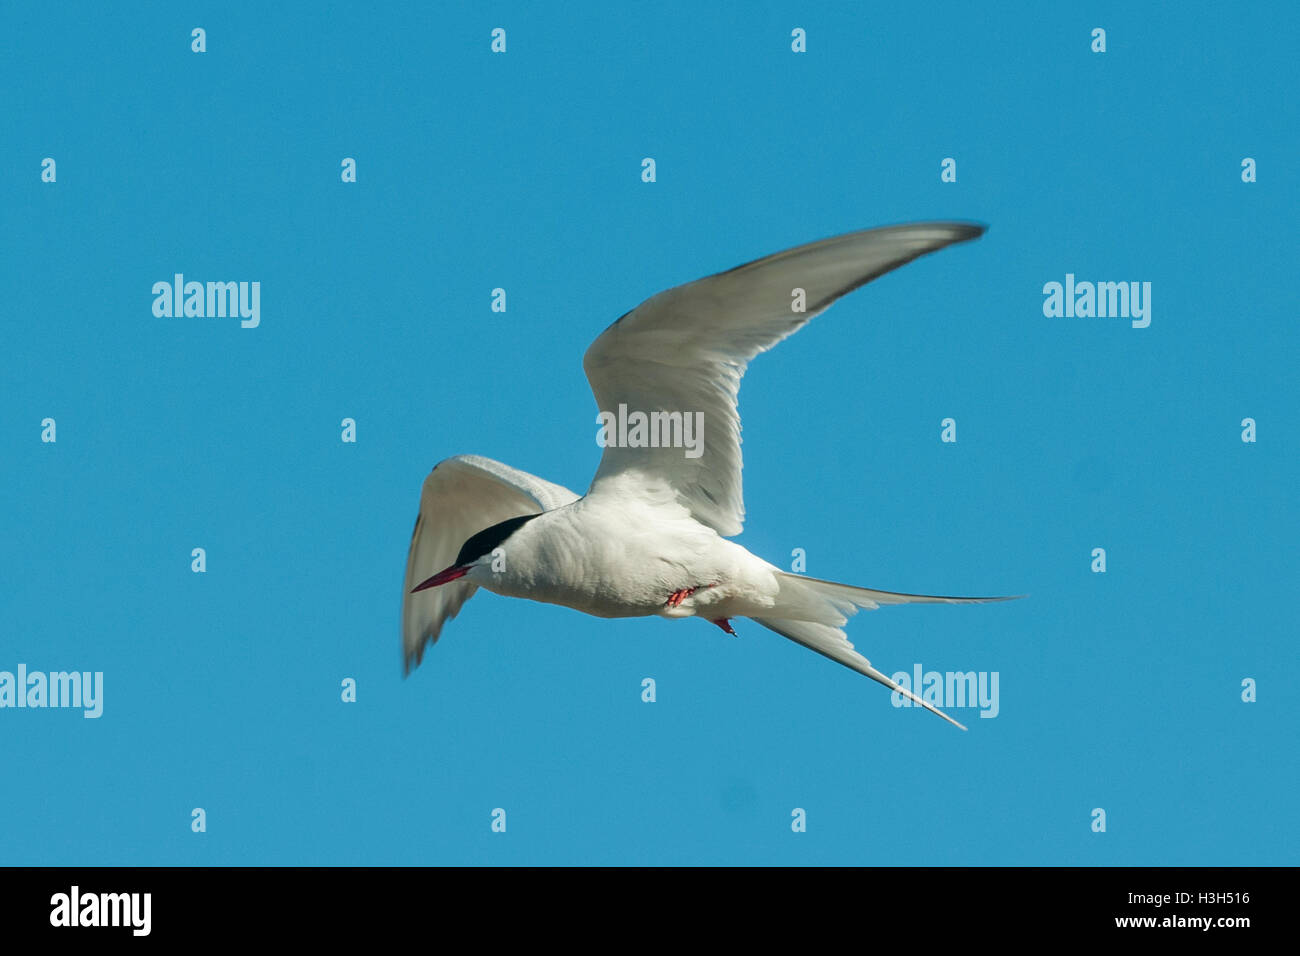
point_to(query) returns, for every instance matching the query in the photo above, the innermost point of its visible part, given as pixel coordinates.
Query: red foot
(677, 597)
(725, 624)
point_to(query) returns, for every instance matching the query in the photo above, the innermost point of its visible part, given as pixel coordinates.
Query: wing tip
(957, 230)
(411, 659)
(960, 230)
(972, 230)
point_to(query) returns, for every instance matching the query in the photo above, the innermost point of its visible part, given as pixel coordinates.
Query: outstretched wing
(462, 496)
(685, 350)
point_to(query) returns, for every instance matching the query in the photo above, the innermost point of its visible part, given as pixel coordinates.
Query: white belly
(628, 562)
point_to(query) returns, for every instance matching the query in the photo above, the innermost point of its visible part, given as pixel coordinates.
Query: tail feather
(810, 611)
(870, 599)
(831, 642)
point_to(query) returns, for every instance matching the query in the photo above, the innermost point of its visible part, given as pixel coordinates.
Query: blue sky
(522, 170)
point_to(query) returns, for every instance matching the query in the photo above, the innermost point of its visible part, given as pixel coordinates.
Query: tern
(650, 536)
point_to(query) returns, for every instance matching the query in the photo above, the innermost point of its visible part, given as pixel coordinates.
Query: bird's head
(476, 552)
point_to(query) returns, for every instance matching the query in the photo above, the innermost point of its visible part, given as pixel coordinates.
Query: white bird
(650, 535)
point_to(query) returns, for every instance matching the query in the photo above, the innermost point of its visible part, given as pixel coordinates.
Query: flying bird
(650, 536)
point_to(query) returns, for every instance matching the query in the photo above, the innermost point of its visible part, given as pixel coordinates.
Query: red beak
(442, 577)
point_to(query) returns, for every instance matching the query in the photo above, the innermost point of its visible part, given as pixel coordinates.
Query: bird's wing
(685, 350)
(462, 496)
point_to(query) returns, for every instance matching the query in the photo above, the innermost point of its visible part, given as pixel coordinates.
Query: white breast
(614, 558)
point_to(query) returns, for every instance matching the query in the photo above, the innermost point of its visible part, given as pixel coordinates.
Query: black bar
(911, 905)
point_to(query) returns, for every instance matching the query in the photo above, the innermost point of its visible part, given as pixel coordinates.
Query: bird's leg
(725, 624)
(677, 597)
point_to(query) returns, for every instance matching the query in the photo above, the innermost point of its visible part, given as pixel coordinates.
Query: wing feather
(462, 496)
(686, 349)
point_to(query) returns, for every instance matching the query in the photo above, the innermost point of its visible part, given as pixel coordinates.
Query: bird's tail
(811, 612)
(829, 600)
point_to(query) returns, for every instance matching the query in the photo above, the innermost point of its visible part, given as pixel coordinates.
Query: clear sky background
(522, 170)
